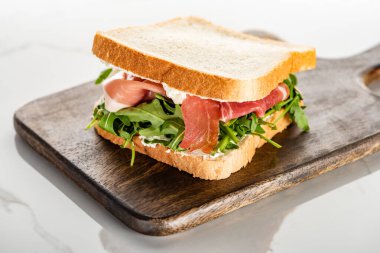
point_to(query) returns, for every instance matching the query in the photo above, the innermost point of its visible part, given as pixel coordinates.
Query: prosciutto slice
(129, 91)
(232, 110)
(201, 117)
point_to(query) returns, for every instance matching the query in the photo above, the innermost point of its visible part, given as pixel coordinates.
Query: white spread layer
(283, 91)
(182, 153)
(176, 95)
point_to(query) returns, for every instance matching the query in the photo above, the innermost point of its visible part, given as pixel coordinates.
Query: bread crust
(197, 82)
(211, 169)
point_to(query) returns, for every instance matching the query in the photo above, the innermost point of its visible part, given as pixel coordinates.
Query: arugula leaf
(151, 112)
(222, 144)
(251, 124)
(133, 153)
(256, 124)
(287, 108)
(164, 142)
(232, 145)
(231, 133)
(271, 125)
(103, 75)
(177, 139)
(275, 144)
(150, 131)
(128, 140)
(172, 126)
(169, 106)
(293, 79)
(124, 134)
(295, 110)
(107, 122)
(298, 115)
(93, 122)
(147, 119)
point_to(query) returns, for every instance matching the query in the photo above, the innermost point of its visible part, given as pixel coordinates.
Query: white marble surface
(45, 47)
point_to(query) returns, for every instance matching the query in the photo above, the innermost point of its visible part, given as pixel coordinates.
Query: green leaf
(172, 126)
(254, 123)
(299, 116)
(177, 139)
(222, 144)
(290, 84)
(244, 123)
(175, 109)
(132, 146)
(260, 130)
(124, 134)
(231, 122)
(178, 112)
(107, 122)
(93, 122)
(161, 123)
(231, 133)
(271, 125)
(103, 75)
(149, 112)
(133, 153)
(240, 131)
(168, 105)
(157, 141)
(287, 108)
(270, 112)
(150, 131)
(125, 120)
(275, 144)
(232, 145)
(293, 79)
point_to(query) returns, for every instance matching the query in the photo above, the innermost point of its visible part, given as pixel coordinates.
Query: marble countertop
(45, 46)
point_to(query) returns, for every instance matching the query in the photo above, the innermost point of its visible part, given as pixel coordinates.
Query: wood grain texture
(156, 199)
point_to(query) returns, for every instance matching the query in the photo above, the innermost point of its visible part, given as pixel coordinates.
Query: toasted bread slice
(202, 167)
(195, 56)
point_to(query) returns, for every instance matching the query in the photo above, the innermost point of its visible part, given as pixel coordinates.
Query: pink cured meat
(232, 110)
(131, 91)
(201, 117)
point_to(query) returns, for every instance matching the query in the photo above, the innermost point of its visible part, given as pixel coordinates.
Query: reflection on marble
(256, 236)
(252, 227)
(13, 211)
(258, 222)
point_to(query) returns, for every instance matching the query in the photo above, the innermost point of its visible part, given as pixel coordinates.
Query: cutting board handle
(368, 59)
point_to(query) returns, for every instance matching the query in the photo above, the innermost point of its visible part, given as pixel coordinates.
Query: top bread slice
(195, 56)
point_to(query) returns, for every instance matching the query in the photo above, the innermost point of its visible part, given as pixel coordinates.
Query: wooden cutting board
(156, 199)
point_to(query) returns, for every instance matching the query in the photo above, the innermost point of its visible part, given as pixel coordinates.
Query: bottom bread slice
(201, 166)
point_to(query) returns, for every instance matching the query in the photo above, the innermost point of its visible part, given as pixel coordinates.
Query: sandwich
(197, 96)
